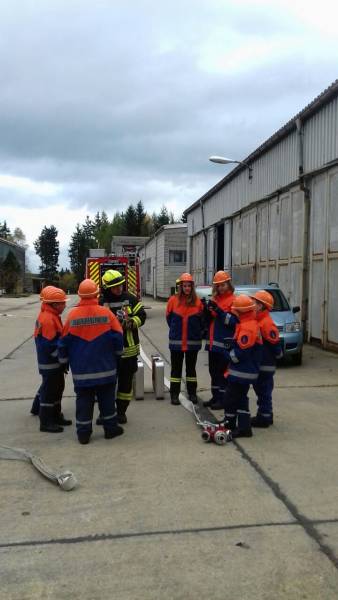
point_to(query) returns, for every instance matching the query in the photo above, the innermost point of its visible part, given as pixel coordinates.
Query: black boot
(51, 427)
(174, 399)
(260, 421)
(84, 438)
(238, 433)
(121, 408)
(62, 421)
(111, 433)
(122, 418)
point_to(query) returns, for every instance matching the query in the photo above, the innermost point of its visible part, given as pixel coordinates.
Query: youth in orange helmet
(264, 298)
(242, 304)
(51, 295)
(185, 319)
(88, 289)
(221, 277)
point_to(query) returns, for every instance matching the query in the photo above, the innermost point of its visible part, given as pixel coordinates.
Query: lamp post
(226, 161)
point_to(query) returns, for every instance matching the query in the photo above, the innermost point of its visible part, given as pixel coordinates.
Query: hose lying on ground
(66, 480)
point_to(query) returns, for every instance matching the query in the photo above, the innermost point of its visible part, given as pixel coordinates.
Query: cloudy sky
(105, 103)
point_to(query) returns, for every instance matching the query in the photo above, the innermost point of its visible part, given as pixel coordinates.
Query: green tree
(19, 238)
(130, 220)
(78, 252)
(10, 270)
(68, 282)
(140, 218)
(47, 248)
(5, 232)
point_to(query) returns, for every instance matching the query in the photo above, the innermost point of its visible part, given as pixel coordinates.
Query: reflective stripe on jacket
(185, 324)
(134, 312)
(245, 355)
(48, 328)
(91, 340)
(272, 348)
(222, 325)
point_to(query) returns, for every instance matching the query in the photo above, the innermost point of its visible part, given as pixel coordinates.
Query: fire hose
(66, 479)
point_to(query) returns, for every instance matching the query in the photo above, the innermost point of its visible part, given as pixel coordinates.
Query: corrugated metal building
(163, 258)
(281, 224)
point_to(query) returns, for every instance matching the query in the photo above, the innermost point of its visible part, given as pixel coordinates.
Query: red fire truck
(128, 265)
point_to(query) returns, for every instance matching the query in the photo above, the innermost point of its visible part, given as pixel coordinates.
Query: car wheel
(297, 359)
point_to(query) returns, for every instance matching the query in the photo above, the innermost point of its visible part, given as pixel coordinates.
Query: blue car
(290, 328)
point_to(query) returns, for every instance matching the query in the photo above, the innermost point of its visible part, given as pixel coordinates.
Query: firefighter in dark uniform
(131, 315)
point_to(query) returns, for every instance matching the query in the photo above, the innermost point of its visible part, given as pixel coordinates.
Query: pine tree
(130, 220)
(78, 252)
(140, 218)
(5, 232)
(47, 248)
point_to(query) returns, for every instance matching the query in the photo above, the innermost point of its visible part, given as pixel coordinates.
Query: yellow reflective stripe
(175, 379)
(137, 308)
(94, 271)
(191, 378)
(137, 321)
(130, 338)
(124, 396)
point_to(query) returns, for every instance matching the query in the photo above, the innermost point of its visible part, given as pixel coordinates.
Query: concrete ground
(158, 513)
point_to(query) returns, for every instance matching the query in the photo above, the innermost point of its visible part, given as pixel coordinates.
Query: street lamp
(226, 161)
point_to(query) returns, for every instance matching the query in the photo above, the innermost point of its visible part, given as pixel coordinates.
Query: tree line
(98, 232)
(95, 232)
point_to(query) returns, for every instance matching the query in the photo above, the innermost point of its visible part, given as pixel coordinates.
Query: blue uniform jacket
(272, 348)
(246, 353)
(185, 325)
(91, 340)
(48, 329)
(222, 324)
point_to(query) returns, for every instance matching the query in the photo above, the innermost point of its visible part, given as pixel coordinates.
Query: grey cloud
(109, 101)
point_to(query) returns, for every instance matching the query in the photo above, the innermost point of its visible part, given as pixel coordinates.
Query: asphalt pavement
(158, 513)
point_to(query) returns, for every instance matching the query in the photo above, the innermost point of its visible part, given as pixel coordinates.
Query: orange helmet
(265, 298)
(51, 294)
(88, 289)
(242, 304)
(221, 277)
(44, 291)
(186, 277)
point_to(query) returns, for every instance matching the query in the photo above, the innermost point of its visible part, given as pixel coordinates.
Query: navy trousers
(236, 405)
(263, 388)
(85, 400)
(176, 371)
(50, 393)
(217, 365)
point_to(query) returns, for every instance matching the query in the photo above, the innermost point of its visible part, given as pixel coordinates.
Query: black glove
(212, 305)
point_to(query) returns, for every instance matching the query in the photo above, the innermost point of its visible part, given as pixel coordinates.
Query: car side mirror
(296, 309)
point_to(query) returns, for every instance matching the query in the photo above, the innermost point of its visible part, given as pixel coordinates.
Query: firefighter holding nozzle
(131, 314)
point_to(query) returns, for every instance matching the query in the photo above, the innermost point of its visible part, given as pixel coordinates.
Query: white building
(281, 224)
(163, 258)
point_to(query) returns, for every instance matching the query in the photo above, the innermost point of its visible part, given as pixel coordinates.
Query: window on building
(148, 262)
(177, 257)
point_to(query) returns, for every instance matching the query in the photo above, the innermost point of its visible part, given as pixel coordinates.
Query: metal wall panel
(197, 258)
(320, 137)
(268, 243)
(323, 292)
(211, 233)
(227, 246)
